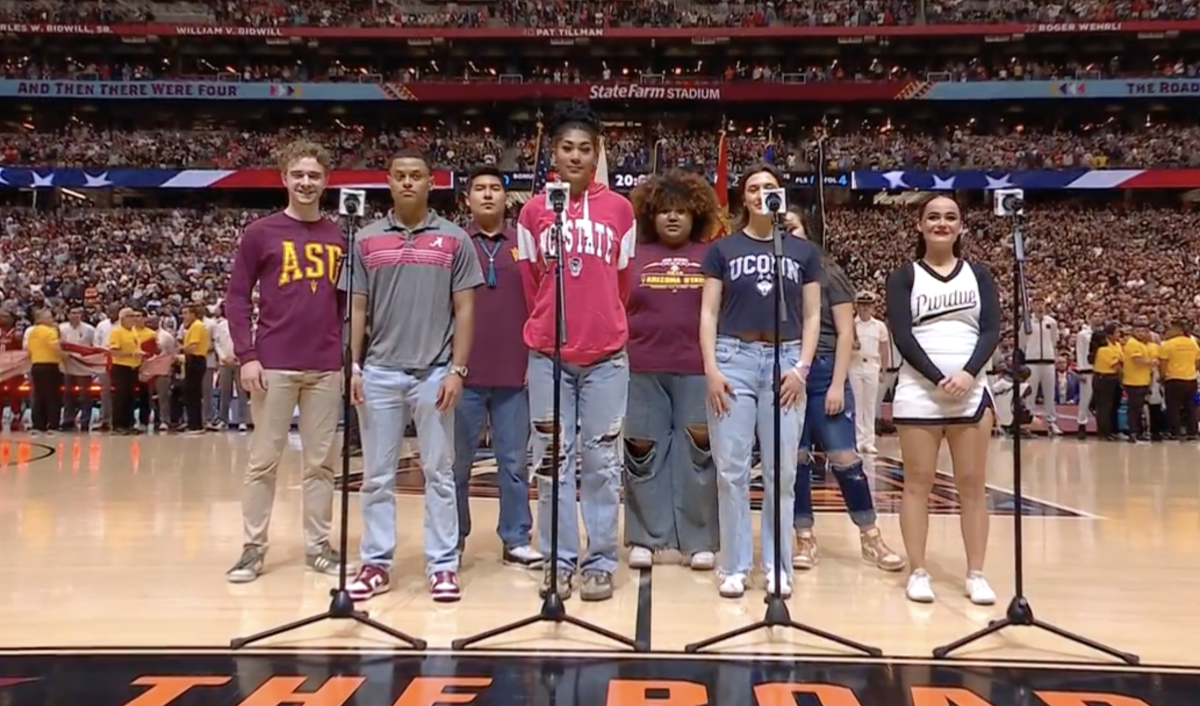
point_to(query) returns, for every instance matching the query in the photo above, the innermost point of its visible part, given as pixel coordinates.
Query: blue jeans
(670, 491)
(507, 411)
(593, 414)
(391, 398)
(749, 369)
(834, 433)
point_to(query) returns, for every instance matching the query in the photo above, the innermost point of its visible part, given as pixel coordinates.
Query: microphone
(556, 193)
(1009, 202)
(775, 204)
(775, 201)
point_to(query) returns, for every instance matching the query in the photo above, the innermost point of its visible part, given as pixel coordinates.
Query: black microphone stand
(341, 606)
(1020, 612)
(777, 614)
(553, 610)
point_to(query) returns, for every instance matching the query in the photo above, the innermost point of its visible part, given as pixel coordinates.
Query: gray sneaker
(564, 583)
(597, 586)
(327, 562)
(248, 568)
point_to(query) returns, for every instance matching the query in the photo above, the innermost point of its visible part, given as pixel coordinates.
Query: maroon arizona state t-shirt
(664, 309)
(295, 265)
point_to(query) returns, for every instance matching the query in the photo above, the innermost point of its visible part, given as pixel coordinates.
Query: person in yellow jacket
(1139, 358)
(125, 346)
(1179, 355)
(45, 374)
(196, 344)
(1106, 382)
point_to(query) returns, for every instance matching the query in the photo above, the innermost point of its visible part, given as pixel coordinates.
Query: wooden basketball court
(123, 543)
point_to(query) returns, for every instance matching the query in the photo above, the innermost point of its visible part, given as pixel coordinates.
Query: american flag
(156, 366)
(541, 168)
(13, 364)
(722, 187)
(96, 359)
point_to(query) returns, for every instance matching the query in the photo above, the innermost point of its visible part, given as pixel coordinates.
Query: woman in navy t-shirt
(737, 331)
(670, 491)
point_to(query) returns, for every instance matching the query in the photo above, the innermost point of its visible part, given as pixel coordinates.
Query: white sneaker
(524, 556)
(978, 590)
(733, 586)
(703, 561)
(785, 587)
(1055, 430)
(640, 558)
(920, 587)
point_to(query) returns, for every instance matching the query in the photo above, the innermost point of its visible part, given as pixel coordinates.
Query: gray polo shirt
(409, 277)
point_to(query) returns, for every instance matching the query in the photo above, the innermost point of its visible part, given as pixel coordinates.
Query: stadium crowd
(594, 13)
(83, 146)
(632, 150)
(535, 69)
(1124, 262)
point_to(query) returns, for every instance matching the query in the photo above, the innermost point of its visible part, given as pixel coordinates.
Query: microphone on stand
(775, 203)
(556, 193)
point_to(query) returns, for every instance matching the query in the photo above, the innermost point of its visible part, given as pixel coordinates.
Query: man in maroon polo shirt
(495, 387)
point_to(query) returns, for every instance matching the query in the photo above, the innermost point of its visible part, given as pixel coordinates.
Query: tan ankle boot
(876, 551)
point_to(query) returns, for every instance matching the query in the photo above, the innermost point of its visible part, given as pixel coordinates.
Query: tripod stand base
(553, 611)
(1020, 614)
(778, 616)
(341, 607)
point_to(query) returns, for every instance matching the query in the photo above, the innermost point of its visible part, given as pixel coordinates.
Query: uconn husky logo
(762, 268)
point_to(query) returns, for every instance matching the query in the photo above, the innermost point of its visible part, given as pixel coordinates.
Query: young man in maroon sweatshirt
(294, 356)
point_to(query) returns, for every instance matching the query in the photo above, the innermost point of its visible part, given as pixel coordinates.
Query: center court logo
(487, 686)
(638, 92)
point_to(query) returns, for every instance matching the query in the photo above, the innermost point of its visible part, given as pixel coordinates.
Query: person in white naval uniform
(870, 357)
(1084, 355)
(1039, 350)
(944, 314)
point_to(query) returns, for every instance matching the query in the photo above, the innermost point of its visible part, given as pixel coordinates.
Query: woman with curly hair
(670, 489)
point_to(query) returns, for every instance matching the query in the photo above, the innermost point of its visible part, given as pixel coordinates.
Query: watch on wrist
(459, 370)
(356, 369)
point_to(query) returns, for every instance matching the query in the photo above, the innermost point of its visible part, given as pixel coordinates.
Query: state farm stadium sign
(650, 93)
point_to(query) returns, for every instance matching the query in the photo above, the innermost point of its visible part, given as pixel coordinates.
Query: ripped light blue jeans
(593, 414)
(749, 369)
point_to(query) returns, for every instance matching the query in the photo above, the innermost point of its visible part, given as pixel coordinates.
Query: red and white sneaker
(370, 581)
(444, 587)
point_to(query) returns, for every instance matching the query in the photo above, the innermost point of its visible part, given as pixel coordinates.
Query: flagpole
(822, 135)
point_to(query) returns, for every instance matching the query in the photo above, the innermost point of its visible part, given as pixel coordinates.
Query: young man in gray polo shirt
(414, 277)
